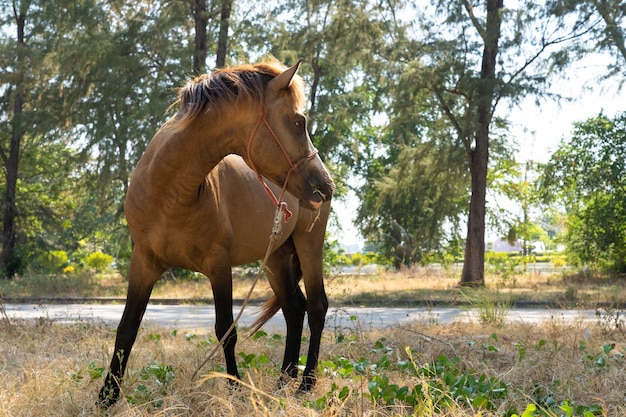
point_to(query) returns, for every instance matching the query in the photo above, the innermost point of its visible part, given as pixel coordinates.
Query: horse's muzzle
(321, 190)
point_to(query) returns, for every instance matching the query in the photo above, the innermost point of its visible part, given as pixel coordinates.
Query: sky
(539, 128)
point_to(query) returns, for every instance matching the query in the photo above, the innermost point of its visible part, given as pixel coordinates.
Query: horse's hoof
(107, 397)
(283, 380)
(307, 384)
(234, 385)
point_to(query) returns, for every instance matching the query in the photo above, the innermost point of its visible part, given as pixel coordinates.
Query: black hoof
(284, 380)
(307, 384)
(233, 384)
(108, 396)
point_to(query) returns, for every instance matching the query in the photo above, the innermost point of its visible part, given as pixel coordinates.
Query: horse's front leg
(222, 284)
(140, 283)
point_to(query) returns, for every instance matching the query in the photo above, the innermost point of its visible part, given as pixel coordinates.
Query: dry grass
(432, 285)
(48, 369)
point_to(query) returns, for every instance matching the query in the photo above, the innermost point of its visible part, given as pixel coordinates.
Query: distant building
(503, 245)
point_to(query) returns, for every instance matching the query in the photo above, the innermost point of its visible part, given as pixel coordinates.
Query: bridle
(293, 165)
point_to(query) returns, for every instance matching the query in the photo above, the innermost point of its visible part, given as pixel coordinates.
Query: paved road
(190, 317)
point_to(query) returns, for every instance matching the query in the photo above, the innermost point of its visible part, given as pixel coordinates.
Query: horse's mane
(228, 86)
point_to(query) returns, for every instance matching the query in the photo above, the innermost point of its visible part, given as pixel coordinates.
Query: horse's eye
(301, 124)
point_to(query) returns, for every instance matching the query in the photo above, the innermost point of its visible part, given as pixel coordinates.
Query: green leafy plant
(99, 261)
(252, 361)
(155, 379)
(53, 260)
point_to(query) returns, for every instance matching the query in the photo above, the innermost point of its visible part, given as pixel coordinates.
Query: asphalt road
(194, 317)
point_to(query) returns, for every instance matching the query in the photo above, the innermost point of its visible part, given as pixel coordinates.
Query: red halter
(278, 202)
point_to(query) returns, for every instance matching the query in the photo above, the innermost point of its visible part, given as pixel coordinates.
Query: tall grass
(491, 307)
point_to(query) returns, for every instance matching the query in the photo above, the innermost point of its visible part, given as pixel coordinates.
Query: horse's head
(280, 147)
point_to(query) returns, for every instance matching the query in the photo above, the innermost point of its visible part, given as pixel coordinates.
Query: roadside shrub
(99, 261)
(53, 260)
(502, 263)
(559, 261)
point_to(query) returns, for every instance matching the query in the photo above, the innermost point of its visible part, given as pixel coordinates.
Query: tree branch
(611, 27)
(475, 22)
(544, 45)
(455, 123)
(448, 112)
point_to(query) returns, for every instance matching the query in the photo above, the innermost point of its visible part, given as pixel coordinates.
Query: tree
(478, 151)
(131, 59)
(586, 177)
(10, 155)
(222, 42)
(94, 76)
(605, 22)
(35, 113)
(200, 18)
(518, 54)
(344, 46)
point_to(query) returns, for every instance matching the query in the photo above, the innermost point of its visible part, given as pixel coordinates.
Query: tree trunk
(474, 263)
(10, 263)
(198, 9)
(222, 42)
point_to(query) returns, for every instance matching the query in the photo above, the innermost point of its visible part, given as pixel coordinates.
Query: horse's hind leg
(140, 283)
(283, 275)
(309, 245)
(317, 306)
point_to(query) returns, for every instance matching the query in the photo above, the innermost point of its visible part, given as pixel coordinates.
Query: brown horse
(192, 204)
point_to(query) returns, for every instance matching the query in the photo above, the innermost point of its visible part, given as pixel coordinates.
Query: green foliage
(53, 261)
(93, 371)
(396, 107)
(251, 360)
(503, 263)
(155, 381)
(586, 175)
(99, 261)
(442, 384)
(566, 407)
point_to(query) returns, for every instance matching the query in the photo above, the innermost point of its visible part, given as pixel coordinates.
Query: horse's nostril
(321, 194)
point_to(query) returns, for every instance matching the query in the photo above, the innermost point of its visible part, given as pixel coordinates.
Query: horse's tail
(268, 310)
(291, 271)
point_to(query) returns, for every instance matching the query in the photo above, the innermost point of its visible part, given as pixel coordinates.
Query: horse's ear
(282, 80)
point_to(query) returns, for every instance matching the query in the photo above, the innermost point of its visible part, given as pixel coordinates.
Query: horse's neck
(182, 159)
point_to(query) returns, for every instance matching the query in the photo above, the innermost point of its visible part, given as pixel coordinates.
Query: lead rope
(276, 232)
(281, 209)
